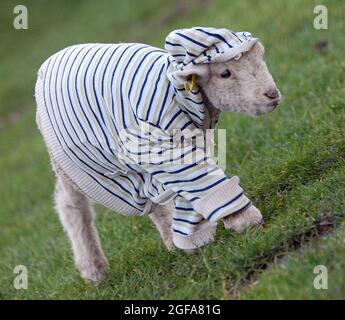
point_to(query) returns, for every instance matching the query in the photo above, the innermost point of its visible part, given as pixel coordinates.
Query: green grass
(291, 162)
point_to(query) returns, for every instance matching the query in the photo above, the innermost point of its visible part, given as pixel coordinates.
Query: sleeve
(181, 162)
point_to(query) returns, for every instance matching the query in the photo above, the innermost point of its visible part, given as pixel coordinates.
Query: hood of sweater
(190, 47)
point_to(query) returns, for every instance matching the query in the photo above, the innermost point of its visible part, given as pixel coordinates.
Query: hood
(189, 47)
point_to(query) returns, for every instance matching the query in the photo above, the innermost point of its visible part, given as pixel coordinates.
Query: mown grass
(291, 162)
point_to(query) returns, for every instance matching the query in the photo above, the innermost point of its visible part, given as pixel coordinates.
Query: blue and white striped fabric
(207, 45)
(111, 111)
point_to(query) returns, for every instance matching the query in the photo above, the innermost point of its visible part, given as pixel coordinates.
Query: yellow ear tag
(187, 87)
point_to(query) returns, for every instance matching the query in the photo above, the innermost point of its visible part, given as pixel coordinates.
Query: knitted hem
(196, 240)
(214, 205)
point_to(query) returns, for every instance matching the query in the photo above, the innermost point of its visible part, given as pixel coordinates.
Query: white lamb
(114, 116)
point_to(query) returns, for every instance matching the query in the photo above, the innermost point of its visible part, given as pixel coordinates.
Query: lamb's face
(243, 85)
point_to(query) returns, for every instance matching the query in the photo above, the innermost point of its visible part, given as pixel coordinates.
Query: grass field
(291, 162)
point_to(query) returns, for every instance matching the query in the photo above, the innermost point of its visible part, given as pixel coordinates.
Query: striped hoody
(119, 123)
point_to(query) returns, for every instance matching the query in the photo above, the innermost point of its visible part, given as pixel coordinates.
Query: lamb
(114, 118)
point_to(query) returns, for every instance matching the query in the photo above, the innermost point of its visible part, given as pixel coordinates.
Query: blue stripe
(189, 113)
(145, 80)
(106, 67)
(199, 103)
(184, 209)
(174, 44)
(174, 159)
(215, 35)
(191, 40)
(164, 103)
(154, 92)
(88, 100)
(181, 169)
(113, 75)
(236, 36)
(94, 85)
(121, 85)
(217, 50)
(188, 123)
(225, 205)
(191, 180)
(181, 232)
(203, 189)
(154, 186)
(206, 55)
(244, 207)
(173, 118)
(187, 221)
(78, 97)
(102, 83)
(136, 72)
(180, 45)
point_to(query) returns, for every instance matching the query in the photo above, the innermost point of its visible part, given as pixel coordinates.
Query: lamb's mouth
(266, 107)
(274, 103)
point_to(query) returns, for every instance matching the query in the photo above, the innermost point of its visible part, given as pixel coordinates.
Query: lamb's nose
(272, 94)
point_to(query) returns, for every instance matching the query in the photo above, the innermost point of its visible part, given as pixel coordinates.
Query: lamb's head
(239, 85)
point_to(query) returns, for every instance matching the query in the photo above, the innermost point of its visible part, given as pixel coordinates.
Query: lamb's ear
(257, 49)
(202, 71)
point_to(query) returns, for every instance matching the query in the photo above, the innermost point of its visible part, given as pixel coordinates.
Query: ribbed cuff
(198, 239)
(224, 200)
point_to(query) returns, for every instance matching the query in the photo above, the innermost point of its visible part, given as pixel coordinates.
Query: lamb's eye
(226, 74)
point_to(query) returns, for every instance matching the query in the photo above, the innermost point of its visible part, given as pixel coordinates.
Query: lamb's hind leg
(77, 218)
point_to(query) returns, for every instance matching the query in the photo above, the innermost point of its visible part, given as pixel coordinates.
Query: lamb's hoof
(94, 270)
(240, 221)
(190, 252)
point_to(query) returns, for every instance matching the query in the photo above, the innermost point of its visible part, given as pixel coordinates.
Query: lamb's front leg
(161, 216)
(239, 221)
(77, 217)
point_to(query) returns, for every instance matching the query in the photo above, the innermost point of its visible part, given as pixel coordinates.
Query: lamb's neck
(213, 113)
